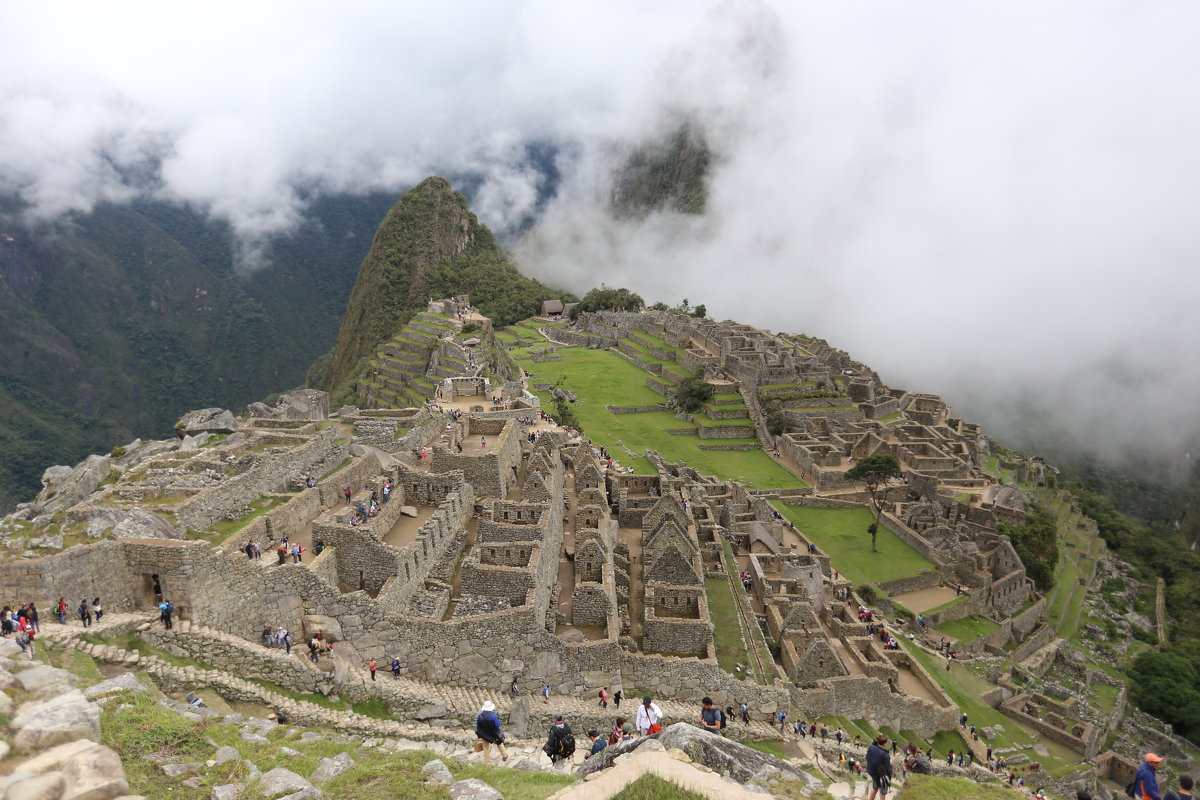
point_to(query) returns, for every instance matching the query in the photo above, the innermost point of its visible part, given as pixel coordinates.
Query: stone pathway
(462, 703)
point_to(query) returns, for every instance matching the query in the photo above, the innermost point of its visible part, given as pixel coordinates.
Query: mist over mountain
(992, 205)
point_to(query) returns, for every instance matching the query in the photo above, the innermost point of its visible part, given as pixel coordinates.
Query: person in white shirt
(648, 714)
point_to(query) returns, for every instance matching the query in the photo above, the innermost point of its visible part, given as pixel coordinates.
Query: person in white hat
(487, 729)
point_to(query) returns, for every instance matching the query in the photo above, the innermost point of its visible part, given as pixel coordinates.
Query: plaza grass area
(968, 629)
(842, 534)
(599, 378)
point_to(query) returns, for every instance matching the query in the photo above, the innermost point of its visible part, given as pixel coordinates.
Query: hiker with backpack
(560, 744)
(488, 733)
(712, 719)
(166, 609)
(879, 767)
(85, 612)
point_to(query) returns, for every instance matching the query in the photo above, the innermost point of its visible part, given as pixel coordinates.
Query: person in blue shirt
(879, 767)
(598, 742)
(1145, 783)
(487, 729)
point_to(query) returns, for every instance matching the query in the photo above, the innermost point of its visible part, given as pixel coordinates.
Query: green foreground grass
(138, 726)
(842, 533)
(600, 378)
(927, 787)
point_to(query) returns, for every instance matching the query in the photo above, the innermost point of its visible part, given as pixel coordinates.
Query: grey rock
(39, 787)
(303, 794)
(16, 777)
(195, 442)
(329, 628)
(473, 789)
(226, 791)
(408, 511)
(55, 475)
(429, 711)
(436, 771)
(250, 736)
(742, 764)
(127, 682)
(518, 718)
(95, 773)
(51, 541)
(345, 410)
(129, 523)
(175, 770)
(64, 718)
(330, 768)
(306, 404)
(40, 675)
(75, 486)
(288, 751)
(8, 648)
(206, 420)
(311, 736)
(259, 410)
(280, 781)
(526, 764)
(226, 753)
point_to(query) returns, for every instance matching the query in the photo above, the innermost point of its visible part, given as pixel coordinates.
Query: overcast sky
(997, 202)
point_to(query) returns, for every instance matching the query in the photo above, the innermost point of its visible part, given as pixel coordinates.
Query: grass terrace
(842, 533)
(968, 629)
(600, 378)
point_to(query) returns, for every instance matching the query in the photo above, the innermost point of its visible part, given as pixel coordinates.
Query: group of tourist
(23, 625)
(370, 506)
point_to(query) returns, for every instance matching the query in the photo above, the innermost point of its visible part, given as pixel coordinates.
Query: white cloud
(993, 202)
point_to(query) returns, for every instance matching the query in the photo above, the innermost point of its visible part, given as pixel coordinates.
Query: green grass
(599, 378)
(769, 746)
(968, 629)
(842, 533)
(928, 787)
(892, 417)
(652, 787)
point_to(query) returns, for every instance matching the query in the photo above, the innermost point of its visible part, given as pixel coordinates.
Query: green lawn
(842, 533)
(600, 378)
(928, 787)
(968, 629)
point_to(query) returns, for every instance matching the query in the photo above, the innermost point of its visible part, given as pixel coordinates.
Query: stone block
(62, 719)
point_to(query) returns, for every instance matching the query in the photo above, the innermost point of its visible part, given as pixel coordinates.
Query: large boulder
(306, 404)
(280, 781)
(329, 628)
(64, 718)
(722, 755)
(330, 768)
(66, 490)
(473, 789)
(128, 523)
(206, 420)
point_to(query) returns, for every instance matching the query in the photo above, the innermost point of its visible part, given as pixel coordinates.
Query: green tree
(606, 298)
(693, 392)
(1036, 544)
(700, 312)
(875, 472)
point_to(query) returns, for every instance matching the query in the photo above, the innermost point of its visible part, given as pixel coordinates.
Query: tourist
(347, 493)
(282, 553)
(1145, 782)
(249, 550)
(488, 733)
(33, 618)
(309, 482)
(617, 698)
(166, 609)
(97, 610)
(396, 668)
(560, 744)
(838, 735)
(1185, 781)
(950, 759)
(287, 642)
(257, 550)
(374, 665)
(648, 717)
(84, 611)
(513, 689)
(297, 553)
(781, 717)
(598, 743)
(604, 697)
(622, 730)
(318, 545)
(711, 719)
(745, 713)
(546, 693)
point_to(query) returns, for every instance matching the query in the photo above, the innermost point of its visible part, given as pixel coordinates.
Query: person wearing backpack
(879, 767)
(488, 733)
(1145, 783)
(560, 744)
(711, 718)
(85, 612)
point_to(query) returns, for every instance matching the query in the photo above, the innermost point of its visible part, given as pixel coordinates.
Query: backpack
(170, 608)
(566, 745)
(1131, 789)
(722, 718)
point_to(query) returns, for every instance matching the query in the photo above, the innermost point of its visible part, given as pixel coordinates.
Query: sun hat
(488, 705)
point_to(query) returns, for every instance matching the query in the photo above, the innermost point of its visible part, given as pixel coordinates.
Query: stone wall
(859, 697)
(270, 473)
